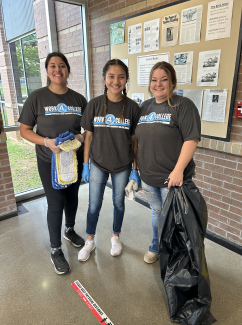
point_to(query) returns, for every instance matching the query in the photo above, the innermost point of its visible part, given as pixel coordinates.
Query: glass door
(22, 156)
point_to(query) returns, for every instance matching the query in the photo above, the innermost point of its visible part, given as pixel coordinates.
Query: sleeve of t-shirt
(135, 118)
(84, 103)
(142, 104)
(28, 115)
(87, 118)
(189, 120)
(146, 103)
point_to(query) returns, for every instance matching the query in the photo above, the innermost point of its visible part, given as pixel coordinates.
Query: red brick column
(8, 80)
(7, 198)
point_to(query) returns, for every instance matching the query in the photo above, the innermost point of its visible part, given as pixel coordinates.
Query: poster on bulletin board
(144, 65)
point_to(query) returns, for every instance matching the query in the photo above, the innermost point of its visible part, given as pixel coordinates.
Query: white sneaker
(150, 257)
(84, 253)
(116, 246)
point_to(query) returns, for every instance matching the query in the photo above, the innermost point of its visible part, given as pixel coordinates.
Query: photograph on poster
(151, 35)
(170, 28)
(208, 68)
(135, 38)
(183, 66)
(180, 58)
(191, 20)
(214, 105)
(219, 19)
(144, 65)
(169, 34)
(215, 99)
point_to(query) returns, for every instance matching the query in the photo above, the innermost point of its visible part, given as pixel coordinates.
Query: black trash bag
(182, 228)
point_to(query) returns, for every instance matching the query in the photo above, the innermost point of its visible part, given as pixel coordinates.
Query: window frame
(24, 68)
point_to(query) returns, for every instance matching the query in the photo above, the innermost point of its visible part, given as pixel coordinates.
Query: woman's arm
(27, 133)
(186, 154)
(84, 135)
(88, 141)
(80, 137)
(135, 150)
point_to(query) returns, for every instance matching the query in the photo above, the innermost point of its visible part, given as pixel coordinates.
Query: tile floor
(128, 290)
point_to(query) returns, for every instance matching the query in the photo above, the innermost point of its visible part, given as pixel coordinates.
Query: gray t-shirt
(53, 114)
(161, 132)
(111, 148)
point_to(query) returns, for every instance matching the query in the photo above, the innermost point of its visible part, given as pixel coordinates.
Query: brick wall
(219, 178)
(40, 18)
(219, 174)
(41, 35)
(7, 198)
(7, 78)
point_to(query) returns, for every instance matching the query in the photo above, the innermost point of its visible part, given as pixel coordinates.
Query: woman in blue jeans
(109, 121)
(168, 132)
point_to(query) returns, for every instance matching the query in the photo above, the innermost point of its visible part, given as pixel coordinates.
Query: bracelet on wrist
(45, 141)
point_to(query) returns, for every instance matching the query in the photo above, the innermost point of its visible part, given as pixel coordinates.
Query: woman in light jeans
(168, 132)
(97, 182)
(109, 121)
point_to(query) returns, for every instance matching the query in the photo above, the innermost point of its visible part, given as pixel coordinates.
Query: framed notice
(144, 65)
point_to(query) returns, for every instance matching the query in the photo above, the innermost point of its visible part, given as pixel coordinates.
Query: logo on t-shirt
(109, 119)
(164, 118)
(151, 117)
(61, 108)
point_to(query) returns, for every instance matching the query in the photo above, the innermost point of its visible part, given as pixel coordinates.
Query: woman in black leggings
(56, 109)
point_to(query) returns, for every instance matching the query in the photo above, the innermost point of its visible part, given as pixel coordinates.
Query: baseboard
(20, 208)
(9, 215)
(209, 235)
(224, 242)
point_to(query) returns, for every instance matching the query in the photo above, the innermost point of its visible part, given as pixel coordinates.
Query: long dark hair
(105, 69)
(60, 55)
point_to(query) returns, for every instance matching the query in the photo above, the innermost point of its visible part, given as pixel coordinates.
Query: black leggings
(59, 200)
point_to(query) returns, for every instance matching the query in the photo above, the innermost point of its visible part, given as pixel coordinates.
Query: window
(27, 78)
(26, 67)
(31, 62)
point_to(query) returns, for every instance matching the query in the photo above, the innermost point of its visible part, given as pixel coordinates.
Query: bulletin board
(229, 58)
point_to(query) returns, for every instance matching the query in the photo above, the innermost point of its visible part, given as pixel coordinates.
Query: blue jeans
(156, 197)
(97, 182)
